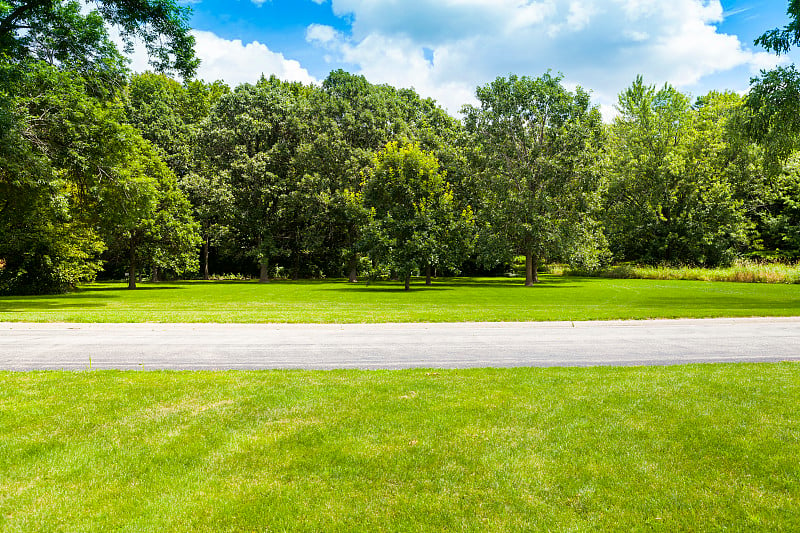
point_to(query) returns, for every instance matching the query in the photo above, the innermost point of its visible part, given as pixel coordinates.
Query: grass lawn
(449, 300)
(699, 447)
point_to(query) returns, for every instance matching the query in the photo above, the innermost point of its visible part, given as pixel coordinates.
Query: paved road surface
(28, 346)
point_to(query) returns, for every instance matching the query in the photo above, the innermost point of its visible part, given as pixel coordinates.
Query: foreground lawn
(451, 300)
(678, 448)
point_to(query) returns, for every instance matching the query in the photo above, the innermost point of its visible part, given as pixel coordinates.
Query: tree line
(103, 173)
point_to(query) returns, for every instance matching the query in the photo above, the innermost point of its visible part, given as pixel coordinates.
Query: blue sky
(445, 48)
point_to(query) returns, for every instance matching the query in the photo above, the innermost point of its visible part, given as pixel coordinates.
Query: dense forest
(110, 174)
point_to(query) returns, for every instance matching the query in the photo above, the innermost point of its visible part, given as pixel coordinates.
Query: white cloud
(319, 33)
(231, 61)
(236, 62)
(599, 44)
(400, 62)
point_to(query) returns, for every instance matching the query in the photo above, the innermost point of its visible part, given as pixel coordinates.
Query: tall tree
(671, 197)
(414, 223)
(352, 120)
(72, 154)
(148, 220)
(171, 116)
(51, 160)
(61, 132)
(774, 95)
(251, 138)
(771, 120)
(534, 144)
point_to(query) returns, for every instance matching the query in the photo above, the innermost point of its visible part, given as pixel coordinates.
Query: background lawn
(451, 300)
(701, 447)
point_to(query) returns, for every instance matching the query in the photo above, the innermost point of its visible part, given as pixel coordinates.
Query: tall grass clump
(742, 271)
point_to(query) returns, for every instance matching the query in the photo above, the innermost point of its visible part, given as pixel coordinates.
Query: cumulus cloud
(599, 44)
(321, 34)
(237, 62)
(232, 61)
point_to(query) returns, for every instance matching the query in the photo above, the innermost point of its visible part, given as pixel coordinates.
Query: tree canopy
(781, 40)
(66, 147)
(104, 173)
(414, 224)
(670, 197)
(55, 30)
(534, 144)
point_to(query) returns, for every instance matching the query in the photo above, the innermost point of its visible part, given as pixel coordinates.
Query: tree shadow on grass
(47, 303)
(125, 289)
(449, 284)
(389, 288)
(512, 283)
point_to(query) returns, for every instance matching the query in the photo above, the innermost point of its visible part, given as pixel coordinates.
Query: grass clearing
(698, 447)
(448, 300)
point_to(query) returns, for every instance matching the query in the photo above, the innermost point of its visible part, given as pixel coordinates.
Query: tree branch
(7, 24)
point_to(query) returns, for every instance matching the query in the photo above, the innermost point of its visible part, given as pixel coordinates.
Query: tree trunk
(155, 275)
(408, 281)
(531, 267)
(263, 275)
(132, 268)
(353, 269)
(296, 267)
(428, 274)
(205, 257)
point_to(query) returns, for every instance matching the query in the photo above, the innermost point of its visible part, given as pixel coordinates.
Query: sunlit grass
(701, 447)
(448, 300)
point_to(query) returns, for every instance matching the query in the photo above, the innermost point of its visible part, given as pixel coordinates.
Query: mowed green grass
(698, 447)
(447, 300)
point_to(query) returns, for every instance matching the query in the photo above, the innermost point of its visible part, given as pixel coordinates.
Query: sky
(446, 48)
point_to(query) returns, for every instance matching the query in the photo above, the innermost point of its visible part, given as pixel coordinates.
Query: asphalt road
(31, 346)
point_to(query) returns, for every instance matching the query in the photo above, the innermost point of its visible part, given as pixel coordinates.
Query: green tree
(345, 122)
(61, 132)
(79, 174)
(778, 218)
(29, 28)
(44, 245)
(251, 139)
(781, 40)
(534, 144)
(152, 220)
(50, 163)
(171, 116)
(413, 219)
(671, 197)
(774, 119)
(774, 95)
(353, 120)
